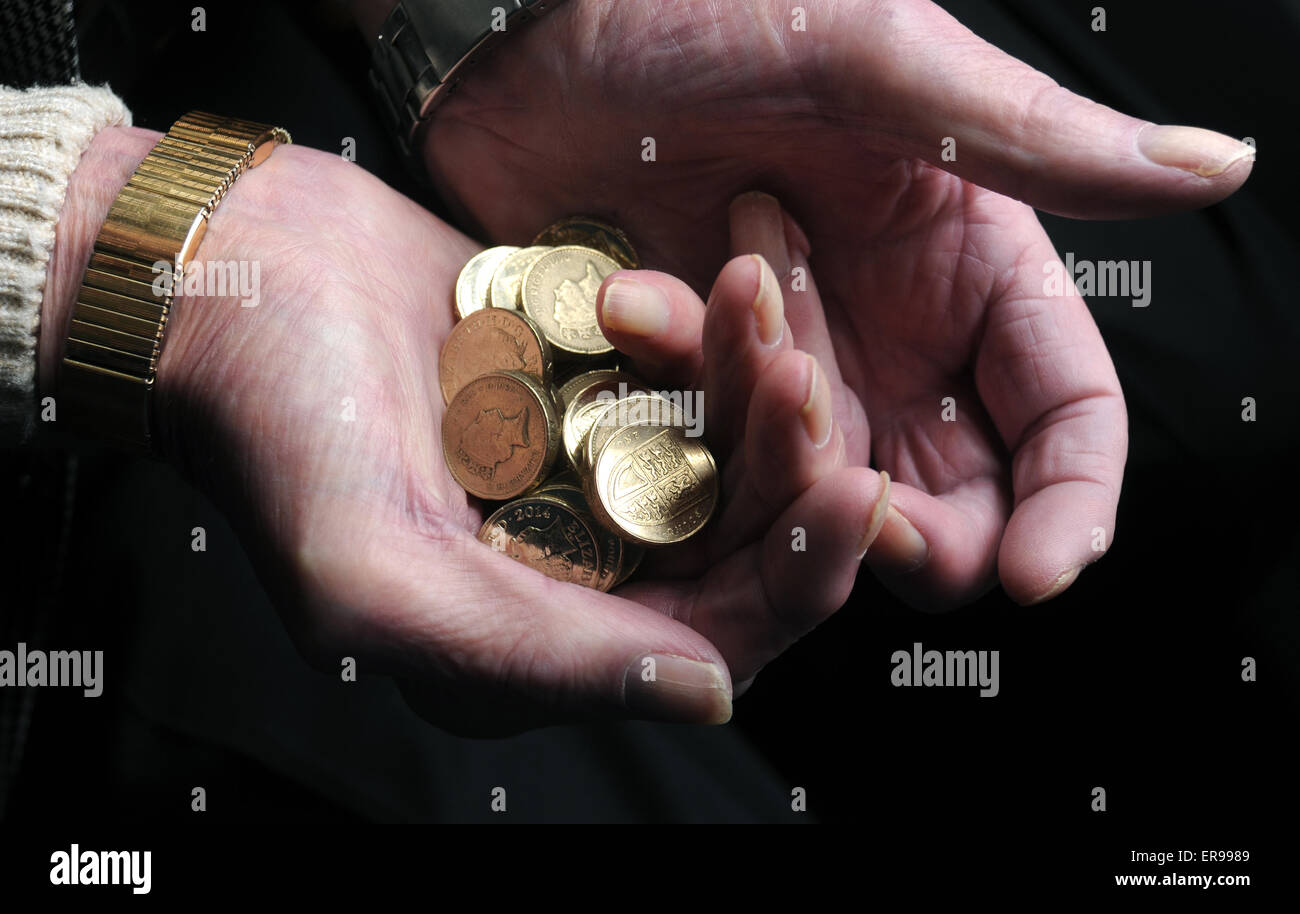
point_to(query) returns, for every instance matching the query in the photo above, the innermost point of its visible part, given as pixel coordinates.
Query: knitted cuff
(43, 132)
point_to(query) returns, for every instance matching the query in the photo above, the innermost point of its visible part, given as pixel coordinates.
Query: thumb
(922, 85)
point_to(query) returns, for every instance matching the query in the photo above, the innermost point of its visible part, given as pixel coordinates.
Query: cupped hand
(903, 144)
(312, 420)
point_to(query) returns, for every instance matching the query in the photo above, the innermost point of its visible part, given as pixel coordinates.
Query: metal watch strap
(425, 47)
(120, 316)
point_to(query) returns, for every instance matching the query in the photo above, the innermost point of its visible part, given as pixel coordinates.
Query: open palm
(312, 420)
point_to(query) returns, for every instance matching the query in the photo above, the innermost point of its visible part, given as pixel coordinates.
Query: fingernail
(1202, 152)
(768, 308)
(758, 227)
(877, 519)
(900, 547)
(635, 307)
(816, 410)
(1058, 586)
(668, 687)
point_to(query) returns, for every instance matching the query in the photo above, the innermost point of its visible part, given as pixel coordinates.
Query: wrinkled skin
(312, 419)
(931, 285)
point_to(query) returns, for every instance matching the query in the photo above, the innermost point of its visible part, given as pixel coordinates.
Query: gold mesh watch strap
(120, 317)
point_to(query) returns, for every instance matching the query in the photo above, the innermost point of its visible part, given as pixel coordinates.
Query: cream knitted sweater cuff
(43, 132)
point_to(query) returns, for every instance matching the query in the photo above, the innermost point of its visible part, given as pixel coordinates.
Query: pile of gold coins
(592, 465)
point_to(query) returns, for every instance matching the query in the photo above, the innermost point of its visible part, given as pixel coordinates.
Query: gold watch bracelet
(119, 319)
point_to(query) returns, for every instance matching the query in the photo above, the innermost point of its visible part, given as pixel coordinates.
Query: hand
(312, 421)
(931, 273)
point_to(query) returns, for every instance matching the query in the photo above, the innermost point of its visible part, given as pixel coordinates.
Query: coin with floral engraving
(559, 293)
(475, 280)
(492, 340)
(546, 534)
(653, 485)
(500, 435)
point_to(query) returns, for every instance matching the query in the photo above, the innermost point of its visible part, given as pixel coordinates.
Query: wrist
(211, 323)
(131, 416)
(104, 169)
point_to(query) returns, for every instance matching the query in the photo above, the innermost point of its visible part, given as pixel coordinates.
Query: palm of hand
(313, 419)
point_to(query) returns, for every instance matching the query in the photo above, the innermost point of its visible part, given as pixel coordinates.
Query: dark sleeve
(38, 43)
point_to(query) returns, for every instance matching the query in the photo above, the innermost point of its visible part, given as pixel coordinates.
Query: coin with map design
(559, 293)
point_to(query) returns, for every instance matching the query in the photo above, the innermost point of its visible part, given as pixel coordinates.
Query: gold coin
(572, 384)
(610, 546)
(591, 233)
(573, 381)
(546, 534)
(475, 279)
(653, 485)
(500, 435)
(638, 409)
(503, 291)
(559, 293)
(492, 340)
(585, 398)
